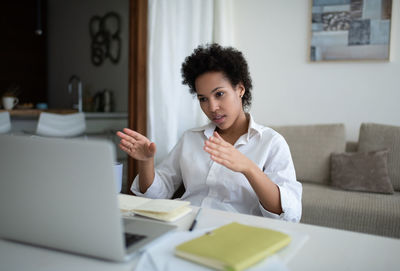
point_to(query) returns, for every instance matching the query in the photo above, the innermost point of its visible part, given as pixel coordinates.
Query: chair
(56, 125)
(5, 123)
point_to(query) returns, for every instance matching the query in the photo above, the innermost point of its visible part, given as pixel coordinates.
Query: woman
(233, 163)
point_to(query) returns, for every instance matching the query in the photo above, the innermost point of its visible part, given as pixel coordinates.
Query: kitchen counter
(99, 125)
(105, 115)
(34, 113)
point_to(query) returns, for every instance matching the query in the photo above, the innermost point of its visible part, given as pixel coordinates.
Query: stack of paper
(233, 246)
(160, 209)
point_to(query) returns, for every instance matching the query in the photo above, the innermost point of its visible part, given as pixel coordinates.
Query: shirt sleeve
(280, 169)
(167, 176)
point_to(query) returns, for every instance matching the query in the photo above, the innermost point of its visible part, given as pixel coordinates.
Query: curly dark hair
(215, 58)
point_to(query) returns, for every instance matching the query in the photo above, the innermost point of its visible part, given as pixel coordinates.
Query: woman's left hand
(226, 154)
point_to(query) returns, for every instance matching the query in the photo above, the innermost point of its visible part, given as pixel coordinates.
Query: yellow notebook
(233, 247)
(160, 209)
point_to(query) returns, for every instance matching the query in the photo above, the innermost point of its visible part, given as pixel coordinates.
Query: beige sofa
(323, 204)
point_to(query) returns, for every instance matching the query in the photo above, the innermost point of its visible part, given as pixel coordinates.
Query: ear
(240, 89)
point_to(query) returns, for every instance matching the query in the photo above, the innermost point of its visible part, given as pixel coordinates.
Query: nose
(213, 105)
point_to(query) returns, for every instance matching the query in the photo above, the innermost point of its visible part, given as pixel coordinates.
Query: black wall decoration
(106, 40)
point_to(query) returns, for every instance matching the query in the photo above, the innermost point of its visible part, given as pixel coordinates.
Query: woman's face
(221, 102)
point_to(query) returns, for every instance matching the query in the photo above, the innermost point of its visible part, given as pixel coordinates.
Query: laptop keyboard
(131, 239)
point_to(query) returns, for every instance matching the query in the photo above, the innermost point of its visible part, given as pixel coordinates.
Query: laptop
(61, 194)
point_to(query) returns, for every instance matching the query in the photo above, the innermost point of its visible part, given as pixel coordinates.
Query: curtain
(223, 22)
(175, 29)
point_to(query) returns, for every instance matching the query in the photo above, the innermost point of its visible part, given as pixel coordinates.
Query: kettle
(104, 101)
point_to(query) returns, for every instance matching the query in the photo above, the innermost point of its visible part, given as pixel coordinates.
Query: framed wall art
(350, 30)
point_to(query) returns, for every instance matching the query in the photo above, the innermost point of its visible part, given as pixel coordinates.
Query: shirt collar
(208, 129)
(254, 128)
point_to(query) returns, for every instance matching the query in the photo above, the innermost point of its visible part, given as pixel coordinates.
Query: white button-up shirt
(211, 185)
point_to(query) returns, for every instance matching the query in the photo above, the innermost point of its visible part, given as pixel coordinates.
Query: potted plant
(12, 91)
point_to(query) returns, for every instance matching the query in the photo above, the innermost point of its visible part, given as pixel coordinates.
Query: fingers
(129, 134)
(152, 148)
(212, 145)
(126, 140)
(217, 135)
(218, 143)
(125, 149)
(122, 135)
(134, 135)
(216, 150)
(221, 151)
(136, 145)
(127, 143)
(221, 157)
(216, 138)
(130, 137)
(216, 146)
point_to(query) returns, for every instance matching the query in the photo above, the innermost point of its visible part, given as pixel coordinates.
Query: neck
(238, 128)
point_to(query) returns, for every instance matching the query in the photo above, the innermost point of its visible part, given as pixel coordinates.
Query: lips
(218, 119)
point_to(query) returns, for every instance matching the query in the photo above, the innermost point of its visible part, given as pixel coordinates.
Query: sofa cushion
(311, 147)
(378, 136)
(356, 211)
(361, 171)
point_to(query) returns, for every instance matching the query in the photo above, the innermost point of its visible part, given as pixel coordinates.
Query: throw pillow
(378, 136)
(361, 171)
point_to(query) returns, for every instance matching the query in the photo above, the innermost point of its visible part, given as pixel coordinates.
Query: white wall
(69, 51)
(288, 89)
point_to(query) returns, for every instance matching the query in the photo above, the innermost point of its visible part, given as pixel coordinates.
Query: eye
(219, 94)
(202, 99)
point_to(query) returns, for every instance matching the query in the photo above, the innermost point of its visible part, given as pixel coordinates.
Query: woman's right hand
(136, 145)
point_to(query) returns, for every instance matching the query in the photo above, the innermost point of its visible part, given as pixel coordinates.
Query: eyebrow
(212, 91)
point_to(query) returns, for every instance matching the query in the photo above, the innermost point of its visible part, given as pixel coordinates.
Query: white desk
(326, 249)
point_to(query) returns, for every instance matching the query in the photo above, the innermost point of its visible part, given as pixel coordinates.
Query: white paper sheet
(160, 255)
